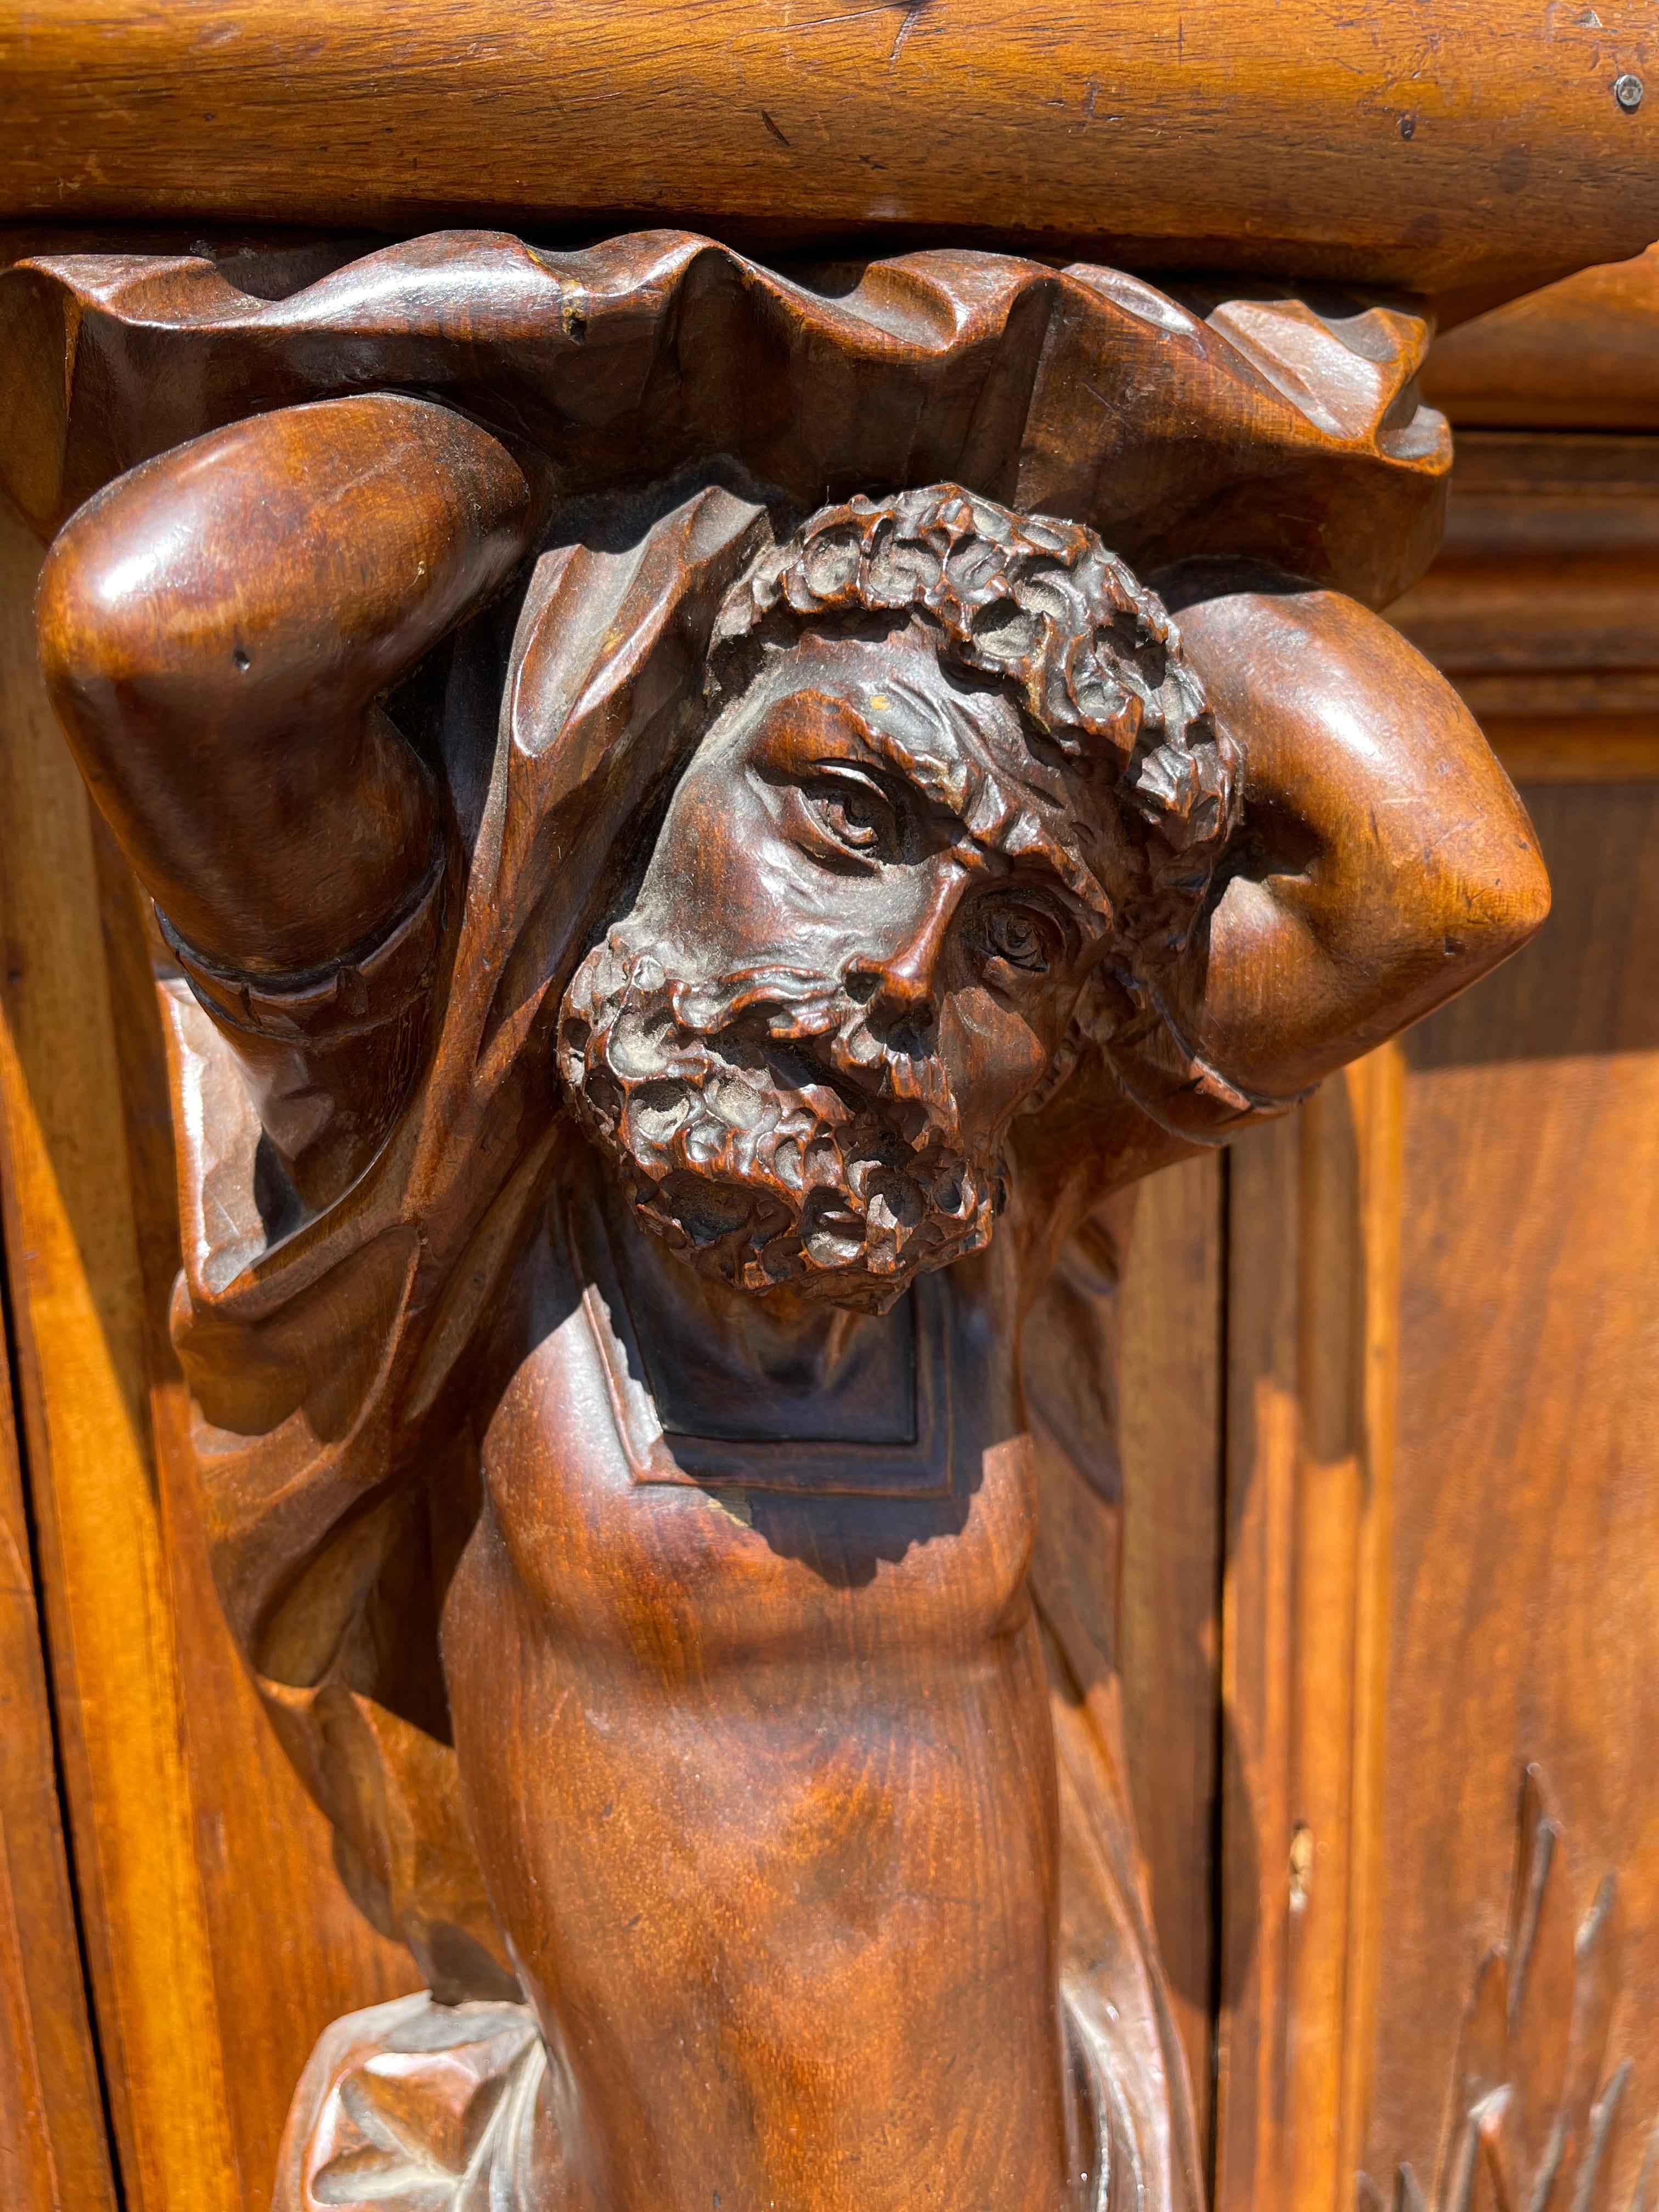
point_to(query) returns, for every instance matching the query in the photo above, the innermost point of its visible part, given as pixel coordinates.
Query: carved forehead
(964, 747)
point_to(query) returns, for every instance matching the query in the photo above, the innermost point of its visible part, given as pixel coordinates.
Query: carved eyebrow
(957, 777)
(993, 812)
(945, 782)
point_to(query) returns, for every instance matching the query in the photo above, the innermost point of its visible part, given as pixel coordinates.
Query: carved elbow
(280, 571)
(1491, 905)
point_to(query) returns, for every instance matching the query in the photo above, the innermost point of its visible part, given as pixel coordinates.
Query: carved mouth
(843, 1095)
(788, 1145)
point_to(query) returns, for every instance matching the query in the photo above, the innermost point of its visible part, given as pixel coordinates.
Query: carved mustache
(835, 1041)
(768, 1130)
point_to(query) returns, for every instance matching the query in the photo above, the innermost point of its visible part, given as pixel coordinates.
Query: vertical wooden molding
(1170, 1636)
(1262, 1441)
(1329, 1496)
(1376, 1091)
(1313, 1299)
(53, 2153)
(76, 1287)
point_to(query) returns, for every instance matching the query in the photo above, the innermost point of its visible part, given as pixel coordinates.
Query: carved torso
(698, 1674)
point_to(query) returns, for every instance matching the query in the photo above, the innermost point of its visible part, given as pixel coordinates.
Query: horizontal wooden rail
(1469, 147)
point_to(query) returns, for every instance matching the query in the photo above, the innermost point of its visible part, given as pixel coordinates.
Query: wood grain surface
(1442, 1487)
(1423, 864)
(74, 1282)
(1168, 1625)
(816, 1959)
(1542, 605)
(1526, 1478)
(1479, 149)
(288, 1948)
(1123, 1358)
(1312, 1259)
(1580, 355)
(54, 2156)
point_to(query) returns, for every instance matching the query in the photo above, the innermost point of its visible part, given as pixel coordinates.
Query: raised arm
(217, 627)
(1386, 863)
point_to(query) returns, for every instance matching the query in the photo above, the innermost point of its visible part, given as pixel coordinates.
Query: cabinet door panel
(1525, 1551)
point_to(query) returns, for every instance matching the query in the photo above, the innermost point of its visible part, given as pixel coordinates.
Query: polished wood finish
(1525, 1634)
(1494, 1184)
(1432, 1320)
(1123, 1365)
(1612, 749)
(1313, 1285)
(1322, 1738)
(1490, 153)
(989, 369)
(1541, 605)
(54, 2153)
(1576, 355)
(1541, 602)
(595, 1122)
(1169, 1441)
(71, 1249)
(286, 1943)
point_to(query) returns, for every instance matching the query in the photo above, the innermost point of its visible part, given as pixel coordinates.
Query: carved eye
(1019, 935)
(854, 813)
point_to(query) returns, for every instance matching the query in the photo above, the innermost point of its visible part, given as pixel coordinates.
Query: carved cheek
(709, 876)
(994, 1056)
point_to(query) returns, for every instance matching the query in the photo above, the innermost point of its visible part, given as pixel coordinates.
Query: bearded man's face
(855, 952)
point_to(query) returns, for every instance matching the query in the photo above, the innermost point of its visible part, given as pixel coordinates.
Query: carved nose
(903, 985)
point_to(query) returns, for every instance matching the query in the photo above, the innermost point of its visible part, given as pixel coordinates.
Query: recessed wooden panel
(1442, 1525)
(1524, 1621)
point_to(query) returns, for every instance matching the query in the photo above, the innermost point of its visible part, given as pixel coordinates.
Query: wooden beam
(1496, 151)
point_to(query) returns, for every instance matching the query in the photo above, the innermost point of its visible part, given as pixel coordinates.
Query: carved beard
(765, 1131)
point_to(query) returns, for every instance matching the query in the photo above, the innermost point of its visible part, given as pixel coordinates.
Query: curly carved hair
(1090, 657)
(1093, 660)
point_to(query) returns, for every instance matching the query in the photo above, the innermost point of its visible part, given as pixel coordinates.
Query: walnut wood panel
(288, 1949)
(1542, 605)
(1583, 748)
(1442, 1512)
(222, 1939)
(54, 2156)
(1526, 1483)
(1123, 1362)
(1490, 151)
(74, 1286)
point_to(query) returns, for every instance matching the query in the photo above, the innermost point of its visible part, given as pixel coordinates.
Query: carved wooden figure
(687, 865)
